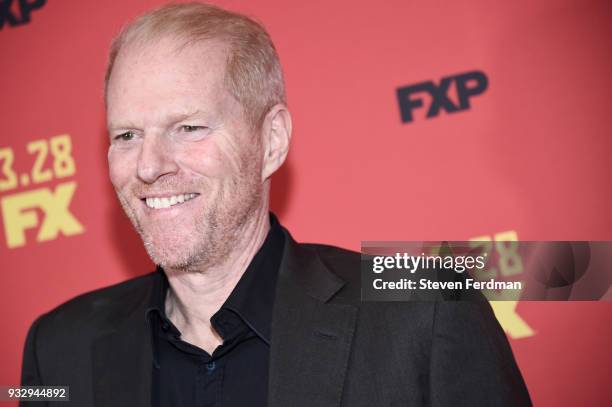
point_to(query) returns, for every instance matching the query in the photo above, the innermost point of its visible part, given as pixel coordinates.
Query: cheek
(121, 167)
(207, 159)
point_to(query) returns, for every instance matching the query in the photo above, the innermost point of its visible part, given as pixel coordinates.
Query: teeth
(168, 201)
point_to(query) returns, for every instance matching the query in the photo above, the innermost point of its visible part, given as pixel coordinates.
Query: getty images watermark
(479, 271)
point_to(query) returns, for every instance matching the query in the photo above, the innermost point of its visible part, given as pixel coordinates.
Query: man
(238, 313)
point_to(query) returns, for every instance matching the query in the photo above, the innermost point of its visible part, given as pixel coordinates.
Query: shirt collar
(252, 299)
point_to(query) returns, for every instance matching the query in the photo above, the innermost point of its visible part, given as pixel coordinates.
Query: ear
(276, 135)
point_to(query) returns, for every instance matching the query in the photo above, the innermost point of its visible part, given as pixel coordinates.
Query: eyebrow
(170, 119)
(173, 119)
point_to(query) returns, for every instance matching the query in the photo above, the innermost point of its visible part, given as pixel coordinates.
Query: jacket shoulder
(345, 264)
(98, 307)
(333, 252)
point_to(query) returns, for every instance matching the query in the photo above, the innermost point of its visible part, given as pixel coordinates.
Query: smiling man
(237, 312)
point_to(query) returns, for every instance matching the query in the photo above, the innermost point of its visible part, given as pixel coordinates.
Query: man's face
(183, 161)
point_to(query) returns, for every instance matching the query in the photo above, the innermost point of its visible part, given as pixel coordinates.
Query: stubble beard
(217, 228)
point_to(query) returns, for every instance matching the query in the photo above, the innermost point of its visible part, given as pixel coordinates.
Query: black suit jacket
(328, 349)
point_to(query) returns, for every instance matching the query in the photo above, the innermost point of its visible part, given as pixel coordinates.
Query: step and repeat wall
(413, 120)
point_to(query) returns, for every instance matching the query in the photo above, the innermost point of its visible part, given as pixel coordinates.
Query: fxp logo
(18, 12)
(467, 85)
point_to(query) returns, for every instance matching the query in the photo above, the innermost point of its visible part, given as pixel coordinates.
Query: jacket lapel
(122, 361)
(311, 338)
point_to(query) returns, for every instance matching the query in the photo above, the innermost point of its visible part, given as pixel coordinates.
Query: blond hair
(253, 73)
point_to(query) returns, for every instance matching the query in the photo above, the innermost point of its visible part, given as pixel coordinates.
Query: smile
(168, 201)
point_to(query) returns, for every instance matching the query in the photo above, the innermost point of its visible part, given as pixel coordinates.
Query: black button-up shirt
(236, 374)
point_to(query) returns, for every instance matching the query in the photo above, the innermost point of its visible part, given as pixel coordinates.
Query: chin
(174, 261)
(177, 254)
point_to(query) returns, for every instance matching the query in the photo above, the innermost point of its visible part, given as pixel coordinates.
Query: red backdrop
(529, 156)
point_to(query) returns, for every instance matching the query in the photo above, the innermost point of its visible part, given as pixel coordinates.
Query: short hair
(253, 73)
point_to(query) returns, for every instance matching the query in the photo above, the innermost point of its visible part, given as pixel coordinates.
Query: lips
(163, 202)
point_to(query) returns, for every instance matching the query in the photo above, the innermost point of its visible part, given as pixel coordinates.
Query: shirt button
(211, 366)
(165, 326)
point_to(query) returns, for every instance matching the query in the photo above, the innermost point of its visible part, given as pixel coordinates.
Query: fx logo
(468, 85)
(20, 213)
(25, 8)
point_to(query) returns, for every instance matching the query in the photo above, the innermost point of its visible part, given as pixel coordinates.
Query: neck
(194, 297)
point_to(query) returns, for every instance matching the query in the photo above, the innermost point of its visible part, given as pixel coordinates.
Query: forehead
(167, 76)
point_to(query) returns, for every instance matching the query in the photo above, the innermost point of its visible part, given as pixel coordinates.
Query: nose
(156, 159)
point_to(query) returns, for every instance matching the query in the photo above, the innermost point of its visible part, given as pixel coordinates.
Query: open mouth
(168, 201)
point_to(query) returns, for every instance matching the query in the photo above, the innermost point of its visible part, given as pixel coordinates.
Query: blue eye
(188, 128)
(127, 136)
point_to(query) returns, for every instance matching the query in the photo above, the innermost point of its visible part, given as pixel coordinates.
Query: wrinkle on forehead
(210, 55)
(168, 49)
(147, 75)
